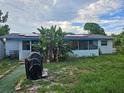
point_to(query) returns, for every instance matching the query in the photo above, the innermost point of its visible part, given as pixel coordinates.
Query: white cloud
(27, 15)
(41, 2)
(93, 11)
(25, 1)
(54, 2)
(65, 25)
(68, 27)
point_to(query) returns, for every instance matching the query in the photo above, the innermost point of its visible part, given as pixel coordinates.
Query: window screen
(26, 45)
(74, 45)
(93, 44)
(83, 45)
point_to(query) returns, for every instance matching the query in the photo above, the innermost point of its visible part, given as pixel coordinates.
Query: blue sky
(25, 16)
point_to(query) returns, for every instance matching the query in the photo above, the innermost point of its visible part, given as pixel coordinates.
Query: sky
(25, 16)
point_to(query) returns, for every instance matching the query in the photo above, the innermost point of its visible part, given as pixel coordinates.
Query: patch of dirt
(84, 71)
(33, 89)
(66, 76)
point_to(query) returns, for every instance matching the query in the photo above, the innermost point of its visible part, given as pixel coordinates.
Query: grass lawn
(6, 64)
(103, 74)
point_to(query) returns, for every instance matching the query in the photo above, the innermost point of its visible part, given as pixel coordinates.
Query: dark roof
(86, 37)
(17, 36)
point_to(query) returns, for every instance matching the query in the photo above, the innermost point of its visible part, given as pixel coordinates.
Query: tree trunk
(57, 55)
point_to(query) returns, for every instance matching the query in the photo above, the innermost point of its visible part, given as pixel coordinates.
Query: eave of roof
(20, 37)
(29, 38)
(86, 37)
(66, 37)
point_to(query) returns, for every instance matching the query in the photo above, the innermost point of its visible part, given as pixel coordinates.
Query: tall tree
(52, 44)
(4, 29)
(3, 18)
(94, 28)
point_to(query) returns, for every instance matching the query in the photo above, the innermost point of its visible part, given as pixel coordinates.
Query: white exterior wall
(80, 53)
(11, 45)
(106, 49)
(17, 45)
(23, 53)
(1, 49)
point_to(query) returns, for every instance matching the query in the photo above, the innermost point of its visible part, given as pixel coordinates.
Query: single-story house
(81, 44)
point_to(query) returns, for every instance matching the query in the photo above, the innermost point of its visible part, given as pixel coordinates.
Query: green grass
(103, 74)
(6, 64)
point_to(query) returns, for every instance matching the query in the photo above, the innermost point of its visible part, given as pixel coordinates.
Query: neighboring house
(2, 52)
(82, 45)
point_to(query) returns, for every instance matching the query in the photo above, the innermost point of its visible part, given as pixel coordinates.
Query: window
(93, 44)
(26, 45)
(83, 45)
(104, 42)
(74, 45)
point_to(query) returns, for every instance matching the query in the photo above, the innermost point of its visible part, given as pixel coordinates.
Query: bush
(119, 42)
(120, 49)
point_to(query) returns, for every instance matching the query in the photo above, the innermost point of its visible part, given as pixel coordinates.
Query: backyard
(103, 74)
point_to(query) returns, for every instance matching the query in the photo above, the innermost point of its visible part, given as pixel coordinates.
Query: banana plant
(52, 43)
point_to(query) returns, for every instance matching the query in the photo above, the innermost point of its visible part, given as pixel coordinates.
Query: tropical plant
(52, 44)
